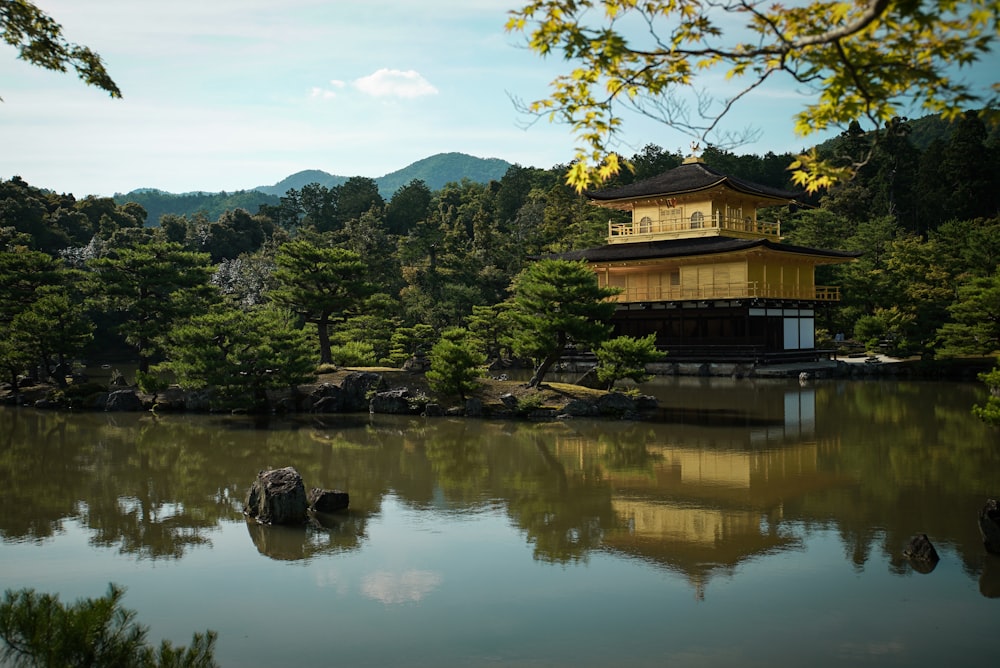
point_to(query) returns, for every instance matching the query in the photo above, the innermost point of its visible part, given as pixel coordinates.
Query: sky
(234, 94)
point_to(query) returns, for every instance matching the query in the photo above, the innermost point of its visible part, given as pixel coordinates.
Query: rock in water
(328, 500)
(277, 496)
(989, 525)
(921, 553)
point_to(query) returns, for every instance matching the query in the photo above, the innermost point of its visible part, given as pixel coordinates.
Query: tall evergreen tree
(321, 284)
(154, 285)
(407, 207)
(969, 170)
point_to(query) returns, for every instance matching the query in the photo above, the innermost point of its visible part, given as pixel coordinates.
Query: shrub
(354, 353)
(455, 364)
(151, 383)
(529, 402)
(990, 411)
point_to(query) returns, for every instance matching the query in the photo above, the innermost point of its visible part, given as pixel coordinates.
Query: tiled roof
(687, 247)
(689, 177)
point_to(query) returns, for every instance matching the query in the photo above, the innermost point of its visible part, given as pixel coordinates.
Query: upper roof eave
(686, 179)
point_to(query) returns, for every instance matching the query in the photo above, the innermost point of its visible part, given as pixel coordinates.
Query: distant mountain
(435, 171)
(443, 168)
(303, 178)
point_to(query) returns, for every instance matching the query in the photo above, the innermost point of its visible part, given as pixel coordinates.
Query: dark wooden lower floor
(729, 330)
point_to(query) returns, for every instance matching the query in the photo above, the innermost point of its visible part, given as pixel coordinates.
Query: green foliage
(39, 41)
(55, 330)
(557, 303)
(906, 50)
(235, 233)
(354, 353)
(409, 341)
(161, 205)
(319, 283)
(990, 411)
(242, 354)
(15, 355)
(151, 383)
(885, 330)
(528, 403)
(626, 357)
(455, 364)
(54, 223)
(975, 326)
(374, 326)
(39, 630)
(155, 285)
(408, 206)
(41, 323)
(448, 257)
(78, 395)
(491, 329)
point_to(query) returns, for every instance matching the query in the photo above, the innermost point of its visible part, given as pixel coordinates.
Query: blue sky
(232, 94)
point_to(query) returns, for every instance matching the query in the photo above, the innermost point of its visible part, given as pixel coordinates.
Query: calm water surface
(759, 524)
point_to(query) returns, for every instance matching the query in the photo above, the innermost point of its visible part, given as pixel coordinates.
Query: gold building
(697, 268)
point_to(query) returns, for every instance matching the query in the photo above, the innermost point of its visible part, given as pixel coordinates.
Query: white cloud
(395, 588)
(395, 83)
(322, 93)
(326, 93)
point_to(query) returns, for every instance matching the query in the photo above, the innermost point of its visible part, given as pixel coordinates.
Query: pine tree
(455, 364)
(39, 630)
(558, 303)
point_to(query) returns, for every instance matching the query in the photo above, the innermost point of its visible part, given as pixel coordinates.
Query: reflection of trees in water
(41, 473)
(904, 458)
(459, 462)
(153, 486)
(564, 510)
(922, 464)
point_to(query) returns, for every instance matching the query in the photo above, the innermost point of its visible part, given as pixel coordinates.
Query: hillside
(303, 178)
(443, 168)
(435, 171)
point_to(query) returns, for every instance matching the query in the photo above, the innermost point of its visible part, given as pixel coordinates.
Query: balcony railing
(751, 290)
(647, 228)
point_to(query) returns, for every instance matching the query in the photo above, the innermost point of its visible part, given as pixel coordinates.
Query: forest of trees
(362, 280)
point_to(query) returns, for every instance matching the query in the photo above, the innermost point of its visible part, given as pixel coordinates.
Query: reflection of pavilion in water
(708, 498)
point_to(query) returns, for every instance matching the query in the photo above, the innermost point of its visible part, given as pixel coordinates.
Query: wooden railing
(752, 290)
(644, 229)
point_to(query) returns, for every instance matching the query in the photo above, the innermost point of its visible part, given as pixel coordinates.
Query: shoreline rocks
(363, 392)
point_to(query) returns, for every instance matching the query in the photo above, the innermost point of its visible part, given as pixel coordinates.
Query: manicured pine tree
(558, 303)
(321, 284)
(626, 357)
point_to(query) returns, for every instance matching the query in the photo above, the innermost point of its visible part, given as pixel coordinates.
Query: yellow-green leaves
(863, 60)
(813, 174)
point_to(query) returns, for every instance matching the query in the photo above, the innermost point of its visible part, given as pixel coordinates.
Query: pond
(758, 523)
